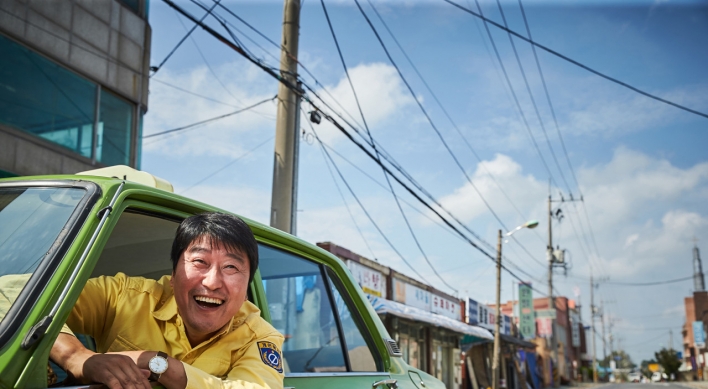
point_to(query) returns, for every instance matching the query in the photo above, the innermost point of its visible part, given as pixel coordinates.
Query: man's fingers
(133, 377)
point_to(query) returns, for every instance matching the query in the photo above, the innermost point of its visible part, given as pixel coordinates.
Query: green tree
(668, 359)
(624, 361)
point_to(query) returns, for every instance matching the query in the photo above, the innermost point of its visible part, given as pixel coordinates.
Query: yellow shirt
(131, 313)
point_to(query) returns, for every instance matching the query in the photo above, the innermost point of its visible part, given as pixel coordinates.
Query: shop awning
(517, 341)
(388, 307)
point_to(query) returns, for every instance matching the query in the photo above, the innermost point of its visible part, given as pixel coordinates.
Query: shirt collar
(167, 311)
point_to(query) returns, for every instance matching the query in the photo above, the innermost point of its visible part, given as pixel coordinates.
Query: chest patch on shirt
(271, 355)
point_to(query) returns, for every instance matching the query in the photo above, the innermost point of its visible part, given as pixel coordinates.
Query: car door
(326, 344)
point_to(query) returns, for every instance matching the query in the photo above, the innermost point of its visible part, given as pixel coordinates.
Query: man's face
(210, 284)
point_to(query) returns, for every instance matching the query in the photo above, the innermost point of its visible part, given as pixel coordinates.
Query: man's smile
(208, 302)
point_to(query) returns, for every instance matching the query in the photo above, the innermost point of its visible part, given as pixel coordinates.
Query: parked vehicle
(634, 376)
(658, 376)
(58, 231)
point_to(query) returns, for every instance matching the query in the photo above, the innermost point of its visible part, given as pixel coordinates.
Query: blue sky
(641, 165)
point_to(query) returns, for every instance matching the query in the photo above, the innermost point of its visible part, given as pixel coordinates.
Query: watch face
(158, 365)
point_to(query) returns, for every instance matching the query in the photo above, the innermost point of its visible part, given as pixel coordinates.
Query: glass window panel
(360, 355)
(300, 309)
(31, 219)
(42, 98)
(115, 122)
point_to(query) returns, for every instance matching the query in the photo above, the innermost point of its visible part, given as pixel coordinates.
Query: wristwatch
(157, 366)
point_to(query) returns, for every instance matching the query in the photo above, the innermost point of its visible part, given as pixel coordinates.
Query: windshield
(31, 220)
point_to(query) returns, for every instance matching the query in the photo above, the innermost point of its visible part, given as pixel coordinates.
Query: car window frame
(327, 273)
(29, 297)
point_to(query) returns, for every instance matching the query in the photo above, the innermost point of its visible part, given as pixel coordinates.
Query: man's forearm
(70, 354)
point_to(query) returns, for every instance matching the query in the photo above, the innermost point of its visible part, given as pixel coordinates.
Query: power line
(548, 98)
(574, 62)
(213, 100)
(346, 205)
(157, 68)
(371, 219)
(378, 157)
(533, 100)
(439, 103)
(228, 164)
(208, 65)
(650, 283)
(430, 120)
(300, 92)
(209, 120)
(515, 98)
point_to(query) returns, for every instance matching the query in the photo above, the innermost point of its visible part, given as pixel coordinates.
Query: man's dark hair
(223, 231)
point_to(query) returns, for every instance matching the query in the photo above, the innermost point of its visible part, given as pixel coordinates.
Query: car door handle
(391, 383)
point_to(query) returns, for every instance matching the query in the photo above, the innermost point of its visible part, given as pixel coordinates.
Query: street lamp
(495, 363)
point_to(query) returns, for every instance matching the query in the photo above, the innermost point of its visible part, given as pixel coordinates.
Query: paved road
(662, 385)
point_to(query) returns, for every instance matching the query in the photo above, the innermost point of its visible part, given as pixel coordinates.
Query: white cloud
(171, 108)
(380, 92)
(523, 190)
(243, 200)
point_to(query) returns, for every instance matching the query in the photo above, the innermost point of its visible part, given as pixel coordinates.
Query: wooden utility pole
(283, 209)
(495, 362)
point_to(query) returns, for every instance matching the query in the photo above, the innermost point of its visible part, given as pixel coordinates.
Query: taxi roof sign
(127, 173)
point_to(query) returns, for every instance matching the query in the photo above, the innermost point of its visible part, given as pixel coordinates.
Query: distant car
(658, 377)
(634, 377)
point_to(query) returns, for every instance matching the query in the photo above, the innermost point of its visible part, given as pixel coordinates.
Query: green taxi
(56, 232)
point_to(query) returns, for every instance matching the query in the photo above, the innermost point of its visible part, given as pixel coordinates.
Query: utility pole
(283, 210)
(602, 321)
(495, 362)
(671, 339)
(551, 302)
(592, 330)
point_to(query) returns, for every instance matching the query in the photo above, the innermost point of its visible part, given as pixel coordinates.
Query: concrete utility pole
(495, 362)
(551, 302)
(602, 321)
(283, 209)
(592, 330)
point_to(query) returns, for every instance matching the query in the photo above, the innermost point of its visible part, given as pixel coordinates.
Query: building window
(114, 123)
(42, 98)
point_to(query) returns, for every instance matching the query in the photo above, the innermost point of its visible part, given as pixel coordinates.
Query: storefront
(429, 341)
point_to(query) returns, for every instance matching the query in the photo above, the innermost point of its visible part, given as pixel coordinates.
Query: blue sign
(472, 312)
(699, 335)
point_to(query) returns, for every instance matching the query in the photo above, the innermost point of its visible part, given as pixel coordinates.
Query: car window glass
(300, 309)
(360, 356)
(31, 220)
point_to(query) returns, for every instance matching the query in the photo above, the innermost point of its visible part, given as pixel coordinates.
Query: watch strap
(154, 377)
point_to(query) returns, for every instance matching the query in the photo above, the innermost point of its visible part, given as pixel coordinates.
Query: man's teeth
(209, 300)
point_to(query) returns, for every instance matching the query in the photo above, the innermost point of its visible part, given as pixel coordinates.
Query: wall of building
(105, 42)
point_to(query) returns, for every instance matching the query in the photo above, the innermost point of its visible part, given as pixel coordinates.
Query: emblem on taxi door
(271, 356)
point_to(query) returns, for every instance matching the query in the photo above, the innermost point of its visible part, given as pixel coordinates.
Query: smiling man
(194, 329)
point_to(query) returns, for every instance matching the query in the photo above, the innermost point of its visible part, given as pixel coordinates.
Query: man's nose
(212, 278)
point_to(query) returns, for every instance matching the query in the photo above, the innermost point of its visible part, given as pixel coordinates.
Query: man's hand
(115, 370)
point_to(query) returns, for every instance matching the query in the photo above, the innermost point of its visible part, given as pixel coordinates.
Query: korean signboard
(527, 323)
(699, 335)
(485, 317)
(411, 295)
(545, 327)
(445, 307)
(371, 281)
(575, 330)
(472, 309)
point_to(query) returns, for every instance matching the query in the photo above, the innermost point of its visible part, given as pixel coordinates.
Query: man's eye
(231, 268)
